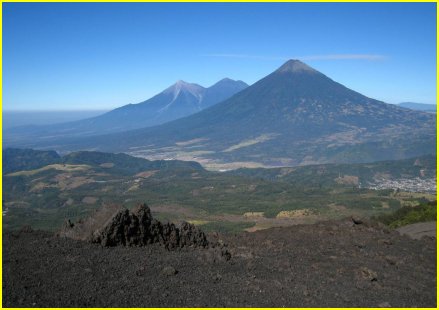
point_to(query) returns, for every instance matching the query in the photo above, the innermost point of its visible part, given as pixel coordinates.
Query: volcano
(179, 100)
(294, 116)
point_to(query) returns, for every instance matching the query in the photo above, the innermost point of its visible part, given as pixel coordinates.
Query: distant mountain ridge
(418, 106)
(28, 159)
(294, 116)
(179, 100)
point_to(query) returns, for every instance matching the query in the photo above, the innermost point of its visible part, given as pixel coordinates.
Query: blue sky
(73, 56)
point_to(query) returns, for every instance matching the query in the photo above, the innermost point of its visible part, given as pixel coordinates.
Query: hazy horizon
(17, 118)
(91, 111)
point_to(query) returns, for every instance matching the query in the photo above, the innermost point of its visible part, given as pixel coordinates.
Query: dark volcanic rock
(137, 228)
(299, 266)
(190, 235)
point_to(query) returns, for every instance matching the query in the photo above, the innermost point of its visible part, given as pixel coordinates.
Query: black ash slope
(332, 264)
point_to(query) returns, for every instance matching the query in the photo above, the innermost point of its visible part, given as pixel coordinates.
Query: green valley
(73, 186)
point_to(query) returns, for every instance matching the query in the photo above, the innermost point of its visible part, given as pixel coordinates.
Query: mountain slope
(15, 160)
(418, 106)
(294, 116)
(179, 100)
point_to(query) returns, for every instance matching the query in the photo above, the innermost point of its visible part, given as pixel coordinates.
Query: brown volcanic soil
(323, 265)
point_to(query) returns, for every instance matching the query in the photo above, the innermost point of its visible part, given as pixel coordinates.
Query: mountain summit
(293, 116)
(294, 65)
(179, 100)
(188, 96)
(182, 86)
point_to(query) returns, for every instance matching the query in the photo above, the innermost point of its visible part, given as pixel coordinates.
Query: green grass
(424, 212)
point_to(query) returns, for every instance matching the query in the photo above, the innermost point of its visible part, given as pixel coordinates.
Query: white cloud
(370, 57)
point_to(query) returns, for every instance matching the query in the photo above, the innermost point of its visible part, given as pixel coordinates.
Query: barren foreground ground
(327, 264)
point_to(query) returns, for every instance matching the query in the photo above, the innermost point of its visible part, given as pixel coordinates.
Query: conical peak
(178, 84)
(294, 65)
(182, 85)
